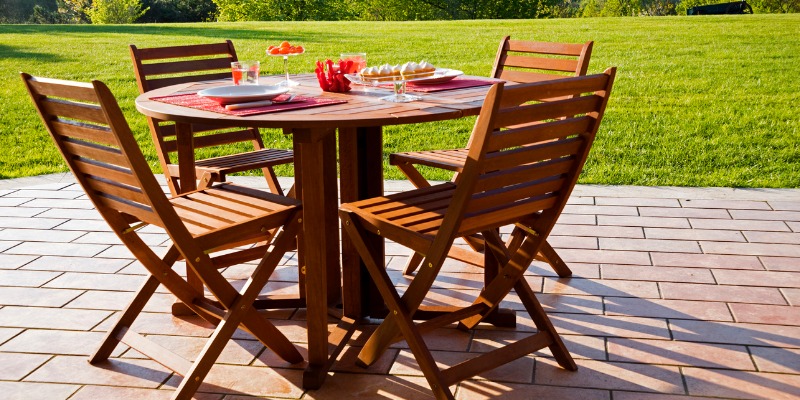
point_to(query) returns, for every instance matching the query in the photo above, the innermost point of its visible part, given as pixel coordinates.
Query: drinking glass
(359, 61)
(245, 72)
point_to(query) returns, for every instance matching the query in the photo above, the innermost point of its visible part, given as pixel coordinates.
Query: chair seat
(451, 160)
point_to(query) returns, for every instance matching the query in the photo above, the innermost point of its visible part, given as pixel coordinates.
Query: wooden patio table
(359, 123)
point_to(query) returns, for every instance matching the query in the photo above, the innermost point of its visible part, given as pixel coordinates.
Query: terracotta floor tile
(347, 361)
(110, 238)
(342, 385)
(601, 210)
(253, 381)
(268, 358)
(30, 223)
(24, 212)
(793, 295)
(706, 261)
(10, 261)
(620, 395)
(50, 318)
(85, 203)
(669, 352)
(711, 213)
(736, 333)
(80, 280)
(163, 324)
(773, 237)
(36, 297)
(25, 278)
(598, 231)
(70, 214)
(577, 219)
(653, 222)
(580, 200)
(680, 309)
(758, 278)
(596, 287)
(60, 342)
(36, 391)
(637, 202)
(766, 314)
(76, 264)
(89, 225)
(694, 234)
(114, 372)
(766, 215)
(739, 224)
(604, 256)
(661, 245)
(579, 346)
(46, 194)
(773, 359)
(785, 205)
(730, 204)
(236, 352)
(726, 293)
(109, 392)
(13, 202)
(563, 303)
(15, 366)
(611, 326)
(611, 375)
(444, 339)
(58, 249)
(7, 245)
(579, 270)
(781, 263)
(660, 274)
(573, 242)
(116, 301)
(794, 226)
(8, 333)
(516, 371)
(753, 249)
(742, 385)
(484, 390)
(40, 235)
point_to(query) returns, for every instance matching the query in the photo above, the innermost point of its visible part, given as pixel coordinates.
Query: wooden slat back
(527, 153)
(92, 135)
(526, 61)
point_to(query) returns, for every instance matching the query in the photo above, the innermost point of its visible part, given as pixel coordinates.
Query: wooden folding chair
(164, 66)
(90, 130)
(516, 61)
(525, 159)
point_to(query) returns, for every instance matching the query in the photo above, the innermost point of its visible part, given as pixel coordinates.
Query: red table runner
(192, 100)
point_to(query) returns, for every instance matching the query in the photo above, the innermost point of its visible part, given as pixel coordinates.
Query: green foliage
(115, 11)
(178, 11)
(698, 101)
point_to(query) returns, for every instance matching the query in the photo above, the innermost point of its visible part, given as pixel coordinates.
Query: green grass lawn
(698, 101)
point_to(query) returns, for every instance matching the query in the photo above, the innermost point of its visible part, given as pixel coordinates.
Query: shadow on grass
(19, 52)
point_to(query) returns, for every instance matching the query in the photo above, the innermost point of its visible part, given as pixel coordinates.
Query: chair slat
(75, 110)
(489, 220)
(546, 64)
(88, 132)
(534, 171)
(177, 67)
(525, 76)
(130, 193)
(65, 89)
(110, 172)
(554, 48)
(108, 155)
(531, 154)
(543, 132)
(158, 53)
(547, 111)
(510, 195)
(175, 80)
(556, 88)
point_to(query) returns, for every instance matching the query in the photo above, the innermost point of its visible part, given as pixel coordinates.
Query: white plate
(441, 75)
(242, 93)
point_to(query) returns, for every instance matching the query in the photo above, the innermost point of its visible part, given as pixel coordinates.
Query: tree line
(143, 11)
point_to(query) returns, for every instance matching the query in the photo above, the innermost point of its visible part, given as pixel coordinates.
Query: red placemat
(192, 100)
(457, 83)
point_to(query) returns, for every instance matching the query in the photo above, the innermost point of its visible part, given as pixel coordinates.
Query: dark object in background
(736, 7)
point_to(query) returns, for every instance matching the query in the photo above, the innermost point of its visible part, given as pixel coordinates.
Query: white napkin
(251, 104)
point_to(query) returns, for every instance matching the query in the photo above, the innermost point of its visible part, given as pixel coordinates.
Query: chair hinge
(527, 229)
(134, 227)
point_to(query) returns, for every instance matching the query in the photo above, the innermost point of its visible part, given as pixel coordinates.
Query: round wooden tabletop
(363, 108)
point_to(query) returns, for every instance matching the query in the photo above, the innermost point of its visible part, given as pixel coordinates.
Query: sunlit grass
(699, 101)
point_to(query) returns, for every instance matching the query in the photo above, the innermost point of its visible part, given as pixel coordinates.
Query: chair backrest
(158, 67)
(95, 140)
(525, 61)
(527, 153)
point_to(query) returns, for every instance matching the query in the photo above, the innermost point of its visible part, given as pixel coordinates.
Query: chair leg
(549, 255)
(272, 181)
(126, 320)
(413, 263)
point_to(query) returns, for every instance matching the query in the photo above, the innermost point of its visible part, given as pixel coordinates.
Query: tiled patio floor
(678, 293)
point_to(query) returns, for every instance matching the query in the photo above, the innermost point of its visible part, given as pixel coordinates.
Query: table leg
(361, 174)
(315, 185)
(184, 139)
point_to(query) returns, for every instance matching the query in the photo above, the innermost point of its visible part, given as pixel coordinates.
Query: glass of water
(245, 72)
